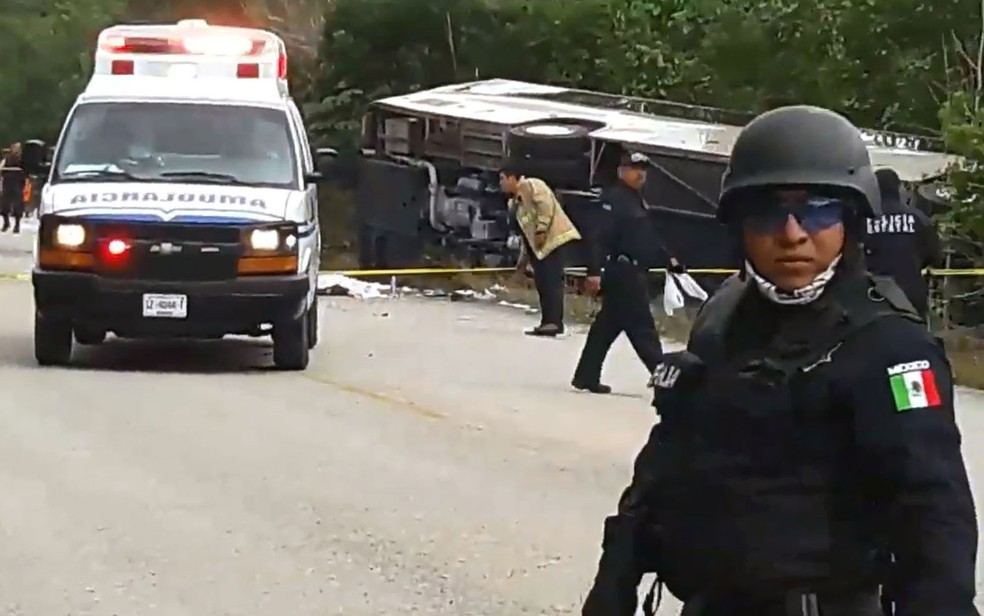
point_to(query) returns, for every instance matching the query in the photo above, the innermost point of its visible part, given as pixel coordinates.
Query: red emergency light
(117, 247)
(115, 253)
(248, 71)
(198, 45)
(122, 67)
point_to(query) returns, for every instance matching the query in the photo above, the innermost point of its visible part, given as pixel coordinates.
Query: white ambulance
(181, 198)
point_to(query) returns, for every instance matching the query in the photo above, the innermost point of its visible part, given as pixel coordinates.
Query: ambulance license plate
(159, 306)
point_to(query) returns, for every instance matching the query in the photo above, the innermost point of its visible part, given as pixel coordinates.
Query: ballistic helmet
(800, 145)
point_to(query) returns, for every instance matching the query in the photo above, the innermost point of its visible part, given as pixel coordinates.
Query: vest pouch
(761, 387)
(749, 413)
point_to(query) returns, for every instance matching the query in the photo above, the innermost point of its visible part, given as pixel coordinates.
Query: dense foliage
(909, 65)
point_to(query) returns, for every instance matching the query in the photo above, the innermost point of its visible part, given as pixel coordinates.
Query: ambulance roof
(190, 60)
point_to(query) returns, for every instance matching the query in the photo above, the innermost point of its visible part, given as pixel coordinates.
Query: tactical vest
(716, 451)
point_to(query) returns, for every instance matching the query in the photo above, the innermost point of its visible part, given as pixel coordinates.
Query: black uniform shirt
(626, 230)
(901, 243)
(768, 488)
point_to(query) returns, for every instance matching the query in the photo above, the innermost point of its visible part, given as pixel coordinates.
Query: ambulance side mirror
(34, 157)
(324, 160)
(324, 164)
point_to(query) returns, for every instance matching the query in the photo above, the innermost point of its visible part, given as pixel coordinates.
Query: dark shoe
(548, 330)
(595, 388)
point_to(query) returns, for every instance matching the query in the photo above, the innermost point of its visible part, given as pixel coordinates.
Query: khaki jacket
(537, 209)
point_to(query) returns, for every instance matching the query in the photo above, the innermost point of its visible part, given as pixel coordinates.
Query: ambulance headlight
(264, 239)
(70, 235)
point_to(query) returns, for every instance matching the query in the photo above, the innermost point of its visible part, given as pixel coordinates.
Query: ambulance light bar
(170, 50)
(209, 45)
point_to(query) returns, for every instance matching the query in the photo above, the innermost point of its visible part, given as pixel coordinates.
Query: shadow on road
(231, 355)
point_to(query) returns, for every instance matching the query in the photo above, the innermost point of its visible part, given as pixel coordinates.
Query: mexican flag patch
(913, 386)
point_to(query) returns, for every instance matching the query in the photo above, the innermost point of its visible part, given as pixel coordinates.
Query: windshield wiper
(221, 178)
(108, 173)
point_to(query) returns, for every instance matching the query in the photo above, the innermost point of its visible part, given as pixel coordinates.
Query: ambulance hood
(172, 202)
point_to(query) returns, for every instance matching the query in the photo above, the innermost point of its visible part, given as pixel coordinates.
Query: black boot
(546, 330)
(595, 388)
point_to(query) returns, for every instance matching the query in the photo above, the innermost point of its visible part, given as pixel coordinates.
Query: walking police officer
(902, 242)
(806, 453)
(627, 245)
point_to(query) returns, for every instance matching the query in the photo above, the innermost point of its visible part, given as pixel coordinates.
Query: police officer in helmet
(806, 460)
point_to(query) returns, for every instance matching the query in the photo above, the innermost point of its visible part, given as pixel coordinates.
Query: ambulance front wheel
(291, 343)
(52, 340)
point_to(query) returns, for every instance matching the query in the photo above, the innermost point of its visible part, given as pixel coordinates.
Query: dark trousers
(11, 205)
(548, 276)
(624, 308)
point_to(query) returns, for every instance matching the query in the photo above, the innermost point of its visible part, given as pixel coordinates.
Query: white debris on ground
(339, 284)
(529, 309)
(464, 294)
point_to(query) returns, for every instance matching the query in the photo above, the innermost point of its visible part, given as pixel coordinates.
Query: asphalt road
(432, 460)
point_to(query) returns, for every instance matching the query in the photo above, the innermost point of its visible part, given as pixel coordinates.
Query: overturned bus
(428, 170)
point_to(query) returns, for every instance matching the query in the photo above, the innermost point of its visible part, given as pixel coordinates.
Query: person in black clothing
(902, 242)
(12, 180)
(626, 245)
(807, 460)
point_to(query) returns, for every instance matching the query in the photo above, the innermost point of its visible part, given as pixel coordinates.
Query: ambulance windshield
(178, 142)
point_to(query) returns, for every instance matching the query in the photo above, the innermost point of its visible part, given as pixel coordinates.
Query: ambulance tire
(89, 336)
(313, 324)
(557, 140)
(291, 349)
(52, 340)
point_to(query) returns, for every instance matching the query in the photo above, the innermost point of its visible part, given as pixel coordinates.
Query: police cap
(803, 145)
(634, 159)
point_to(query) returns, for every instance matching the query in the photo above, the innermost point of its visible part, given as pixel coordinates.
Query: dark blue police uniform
(798, 472)
(625, 245)
(901, 243)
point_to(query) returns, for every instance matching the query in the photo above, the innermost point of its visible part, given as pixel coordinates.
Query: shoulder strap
(884, 288)
(857, 304)
(707, 332)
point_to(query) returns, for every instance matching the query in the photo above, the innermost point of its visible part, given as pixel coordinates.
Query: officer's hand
(540, 239)
(592, 285)
(676, 267)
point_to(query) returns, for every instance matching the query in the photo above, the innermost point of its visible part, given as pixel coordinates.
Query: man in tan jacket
(545, 229)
